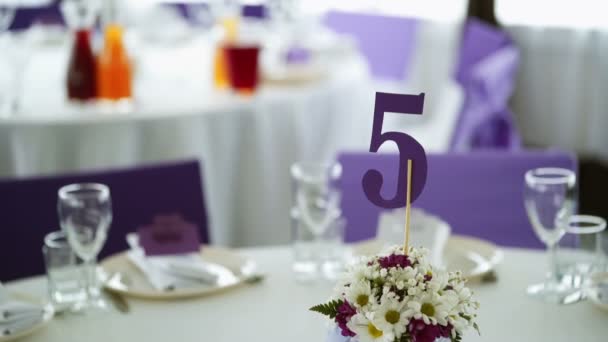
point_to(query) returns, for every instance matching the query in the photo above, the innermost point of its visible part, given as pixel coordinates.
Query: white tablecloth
(277, 310)
(246, 145)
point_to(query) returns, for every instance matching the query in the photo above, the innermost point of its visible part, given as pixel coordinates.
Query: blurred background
(247, 88)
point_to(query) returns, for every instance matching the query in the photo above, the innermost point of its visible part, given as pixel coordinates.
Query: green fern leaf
(328, 309)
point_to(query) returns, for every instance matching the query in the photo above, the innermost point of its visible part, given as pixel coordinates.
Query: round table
(245, 144)
(277, 310)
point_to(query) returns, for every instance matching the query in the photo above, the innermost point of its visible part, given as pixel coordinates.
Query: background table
(245, 145)
(277, 310)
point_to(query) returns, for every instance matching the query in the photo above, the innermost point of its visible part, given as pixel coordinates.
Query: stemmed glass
(80, 13)
(85, 214)
(316, 198)
(7, 14)
(549, 197)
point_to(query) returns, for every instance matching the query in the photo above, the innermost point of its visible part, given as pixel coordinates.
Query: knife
(117, 280)
(119, 302)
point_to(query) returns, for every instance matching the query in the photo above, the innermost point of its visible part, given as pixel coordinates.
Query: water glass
(85, 213)
(580, 252)
(332, 253)
(66, 282)
(549, 196)
(317, 227)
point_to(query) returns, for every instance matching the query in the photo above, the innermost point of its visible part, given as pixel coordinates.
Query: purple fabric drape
(478, 193)
(486, 70)
(387, 42)
(29, 208)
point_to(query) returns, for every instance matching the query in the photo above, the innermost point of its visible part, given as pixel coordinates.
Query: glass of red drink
(243, 68)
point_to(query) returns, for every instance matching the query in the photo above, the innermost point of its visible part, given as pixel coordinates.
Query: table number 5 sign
(412, 158)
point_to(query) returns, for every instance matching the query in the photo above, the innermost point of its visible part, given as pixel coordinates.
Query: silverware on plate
(118, 301)
(489, 277)
(118, 281)
(254, 278)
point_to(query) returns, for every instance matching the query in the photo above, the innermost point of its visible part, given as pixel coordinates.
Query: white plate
(230, 267)
(294, 76)
(473, 257)
(46, 318)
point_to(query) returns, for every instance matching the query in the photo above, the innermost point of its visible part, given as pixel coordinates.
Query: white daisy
(359, 271)
(390, 316)
(439, 280)
(429, 308)
(366, 331)
(459, 323)
(359, 294)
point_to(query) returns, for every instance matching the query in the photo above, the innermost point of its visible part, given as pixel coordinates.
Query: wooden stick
(407, 206)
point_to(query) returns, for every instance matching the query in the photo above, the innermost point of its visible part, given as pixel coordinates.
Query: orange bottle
(220, 67)
(114, 67)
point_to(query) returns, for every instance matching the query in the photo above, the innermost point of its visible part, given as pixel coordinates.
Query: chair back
(46, 13)
(478, 194)
(29, 208)
(387, 42)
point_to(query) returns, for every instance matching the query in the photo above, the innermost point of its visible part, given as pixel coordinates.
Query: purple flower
(345, 312)
(420, 332)
(394, 260)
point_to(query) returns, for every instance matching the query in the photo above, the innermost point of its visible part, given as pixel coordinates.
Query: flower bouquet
(397, 297)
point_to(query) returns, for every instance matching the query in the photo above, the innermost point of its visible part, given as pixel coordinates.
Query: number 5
(408, 147)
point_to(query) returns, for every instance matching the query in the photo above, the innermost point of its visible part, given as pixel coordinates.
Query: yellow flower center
(362, 300)
(392, 316)
(428, 309)
(373, 331)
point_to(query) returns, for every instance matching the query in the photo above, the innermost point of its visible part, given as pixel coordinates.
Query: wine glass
(549, 197)
(80, 13)
(7, 14)
(85, 214)
(316, 197)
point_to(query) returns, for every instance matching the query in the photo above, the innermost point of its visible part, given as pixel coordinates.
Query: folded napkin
(425, 230)
(16, 316)
(17, 323)
(170, 272)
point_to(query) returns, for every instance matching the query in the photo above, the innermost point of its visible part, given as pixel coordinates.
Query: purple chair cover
(478, 194)
(387, 42)
(29, 209)
(258, 11)
(486, 70)
(26, 17)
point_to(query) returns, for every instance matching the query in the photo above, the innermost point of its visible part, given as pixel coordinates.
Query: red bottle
(82, 70)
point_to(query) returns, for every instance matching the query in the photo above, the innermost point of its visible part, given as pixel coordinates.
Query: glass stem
(553, 277)
(91, 279)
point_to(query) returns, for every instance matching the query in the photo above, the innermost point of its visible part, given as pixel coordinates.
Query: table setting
(167, 268)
